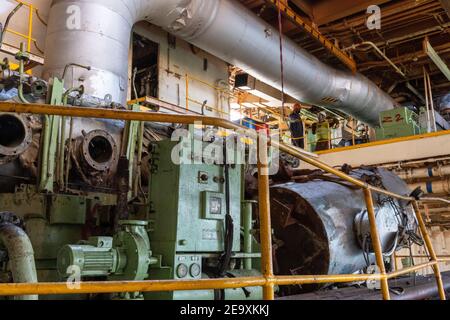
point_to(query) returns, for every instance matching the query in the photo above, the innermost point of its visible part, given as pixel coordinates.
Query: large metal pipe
(425, 172)
(21, 256)
(97, 33)
(15, 135)
(433, 187)
(321, 227)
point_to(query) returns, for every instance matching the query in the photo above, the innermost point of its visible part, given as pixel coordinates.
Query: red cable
(280, 27)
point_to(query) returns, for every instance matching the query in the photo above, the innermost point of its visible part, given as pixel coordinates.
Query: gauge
(195, 270)
(182, 270)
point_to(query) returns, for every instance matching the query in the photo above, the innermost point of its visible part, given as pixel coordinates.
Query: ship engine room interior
(206, 150)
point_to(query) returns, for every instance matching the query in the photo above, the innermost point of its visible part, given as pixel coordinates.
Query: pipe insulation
(433, 187)
(20, 254)
(97, 33)
(425, 172)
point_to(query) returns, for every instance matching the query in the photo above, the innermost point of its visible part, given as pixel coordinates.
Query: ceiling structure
(404, 26)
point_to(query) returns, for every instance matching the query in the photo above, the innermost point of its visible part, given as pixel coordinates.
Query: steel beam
(434, 56)
(345, 58)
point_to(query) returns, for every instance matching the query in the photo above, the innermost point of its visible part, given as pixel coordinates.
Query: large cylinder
(97, 33)
(321, 227)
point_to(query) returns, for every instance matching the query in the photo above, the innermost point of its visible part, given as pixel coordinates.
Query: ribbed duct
(223, 28)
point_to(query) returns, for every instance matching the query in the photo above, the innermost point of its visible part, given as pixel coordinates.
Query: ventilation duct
(97, 33)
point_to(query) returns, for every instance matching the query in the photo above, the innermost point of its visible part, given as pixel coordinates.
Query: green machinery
(185, 234)
(189, 219)
(397, 123)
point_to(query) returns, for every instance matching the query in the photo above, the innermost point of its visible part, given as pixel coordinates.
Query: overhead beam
(344, 57)
(434, 56)
(329, 11)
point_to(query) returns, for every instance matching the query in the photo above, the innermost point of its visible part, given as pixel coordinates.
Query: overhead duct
(97, 33)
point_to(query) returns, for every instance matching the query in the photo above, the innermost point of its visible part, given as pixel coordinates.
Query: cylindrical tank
(321, 226)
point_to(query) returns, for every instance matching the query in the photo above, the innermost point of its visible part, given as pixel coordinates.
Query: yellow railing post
(264, 216)
(430, 248)
(376, 243)
(30, 27)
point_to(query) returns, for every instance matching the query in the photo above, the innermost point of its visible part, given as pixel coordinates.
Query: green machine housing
(397, 123)
(183, 237)
(187, 220)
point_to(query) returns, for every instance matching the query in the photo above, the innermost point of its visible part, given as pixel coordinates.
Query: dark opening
(100, 149)
(145, 63)
(302, 240)
(12, 131)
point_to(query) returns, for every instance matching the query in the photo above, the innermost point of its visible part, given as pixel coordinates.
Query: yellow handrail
(29, 35)
(268, 280)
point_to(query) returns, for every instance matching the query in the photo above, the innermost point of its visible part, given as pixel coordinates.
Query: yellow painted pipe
(16, 289)
(376, 243)
(411, 269)
(429, 246)
(315, 279)
(264, 216)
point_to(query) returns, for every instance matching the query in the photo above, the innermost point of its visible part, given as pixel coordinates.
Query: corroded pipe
(21, 256)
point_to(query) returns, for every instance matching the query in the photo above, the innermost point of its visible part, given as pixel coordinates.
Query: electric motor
(126, 256)
(95, 258)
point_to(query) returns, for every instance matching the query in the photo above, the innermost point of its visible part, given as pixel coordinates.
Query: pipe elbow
(21, 255)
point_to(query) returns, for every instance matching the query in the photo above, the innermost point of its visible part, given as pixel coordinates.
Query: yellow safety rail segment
(329, 45)
(29, 36)
(268, 280)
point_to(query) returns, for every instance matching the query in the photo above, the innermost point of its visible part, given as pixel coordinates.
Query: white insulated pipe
(97, 33)
(433, 187)
(422, 173)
